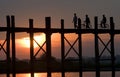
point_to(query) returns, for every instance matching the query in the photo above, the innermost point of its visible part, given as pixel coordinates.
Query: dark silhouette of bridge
(10, 34)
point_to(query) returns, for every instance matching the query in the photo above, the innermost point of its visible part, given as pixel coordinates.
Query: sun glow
(35, 75)
(25, 42)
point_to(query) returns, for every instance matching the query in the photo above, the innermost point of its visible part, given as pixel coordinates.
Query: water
(68, 74)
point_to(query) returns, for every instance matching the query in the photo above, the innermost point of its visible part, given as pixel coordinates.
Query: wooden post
(48, 45)
(97, 49)
(80, 47)
(62, 48)
(112, 46)
(13, 47)
(31, 47)
(8, 45)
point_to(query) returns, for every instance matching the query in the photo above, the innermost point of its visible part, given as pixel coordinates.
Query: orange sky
(23, 52)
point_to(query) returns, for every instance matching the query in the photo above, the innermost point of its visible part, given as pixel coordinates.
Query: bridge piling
(80, 48)
(13, 46)
(31, 47)
(112, 46)
(62, 48)
(96, 48)
(8, 45)
(48, 45)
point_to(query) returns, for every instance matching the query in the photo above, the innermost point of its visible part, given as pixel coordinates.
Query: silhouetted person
(103, 22)
(87, 22)
(75, 20)
(79, 23)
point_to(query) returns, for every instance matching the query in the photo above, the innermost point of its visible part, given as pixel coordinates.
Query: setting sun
(25, 42)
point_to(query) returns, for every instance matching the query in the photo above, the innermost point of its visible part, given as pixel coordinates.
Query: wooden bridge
(10, 34)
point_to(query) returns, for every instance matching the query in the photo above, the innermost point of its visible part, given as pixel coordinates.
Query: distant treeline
(70, 64)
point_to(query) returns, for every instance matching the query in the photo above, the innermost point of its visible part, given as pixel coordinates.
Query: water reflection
(23, 75)
(68, 74)
(35, 75)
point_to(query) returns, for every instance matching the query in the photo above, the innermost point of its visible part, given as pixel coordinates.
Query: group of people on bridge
(87, 23)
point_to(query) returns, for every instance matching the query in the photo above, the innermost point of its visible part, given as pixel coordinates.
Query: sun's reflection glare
(35, 75)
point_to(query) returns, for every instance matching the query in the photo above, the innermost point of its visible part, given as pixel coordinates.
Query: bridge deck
(58, 30)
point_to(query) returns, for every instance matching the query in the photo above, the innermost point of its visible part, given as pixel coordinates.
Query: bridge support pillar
(112, 46)
(13, 47)
(48, 45)
(8, 45)
(80, 48)
(31, 47)
(97, 49)
(62, 49)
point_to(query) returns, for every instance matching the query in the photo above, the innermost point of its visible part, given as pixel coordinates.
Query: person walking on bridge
(87, 22)
(103, 22)
(75, 20)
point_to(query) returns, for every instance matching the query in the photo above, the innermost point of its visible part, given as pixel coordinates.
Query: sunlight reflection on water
(68, 74)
